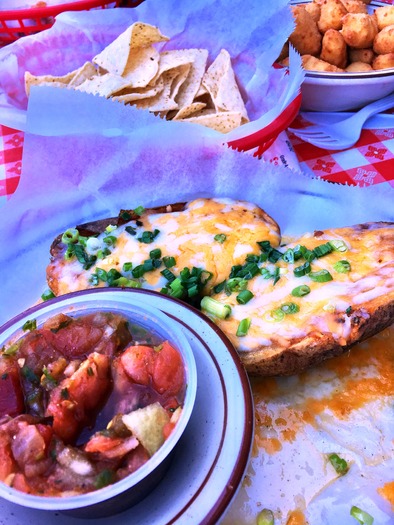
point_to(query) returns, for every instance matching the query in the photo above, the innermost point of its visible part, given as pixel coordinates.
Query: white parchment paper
(86, 157)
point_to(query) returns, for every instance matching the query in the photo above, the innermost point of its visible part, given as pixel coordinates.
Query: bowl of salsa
(95, 394)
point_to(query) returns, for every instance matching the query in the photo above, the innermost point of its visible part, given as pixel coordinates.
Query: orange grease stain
(357, 390)
(296, 517)
(270, 445)
(366, 373)
(387, 492)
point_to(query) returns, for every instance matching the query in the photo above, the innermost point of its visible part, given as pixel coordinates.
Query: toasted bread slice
(289, 333)
(192, 233)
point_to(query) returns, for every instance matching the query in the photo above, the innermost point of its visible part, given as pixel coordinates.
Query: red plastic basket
(21, 22)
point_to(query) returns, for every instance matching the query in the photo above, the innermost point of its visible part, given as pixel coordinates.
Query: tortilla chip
(192, 83)
(164, 101)
(115, 56)
(104, 85)
(83, 73)
(127, 95)
(223, 122)
(219, 80)
(142, 66)
(45, 80)
(189, 110)
(147, 424)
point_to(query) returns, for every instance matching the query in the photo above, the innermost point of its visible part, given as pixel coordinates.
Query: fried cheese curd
(342, 36)
(80, 399)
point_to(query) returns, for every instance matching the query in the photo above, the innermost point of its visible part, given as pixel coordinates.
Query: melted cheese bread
(345, 295)
(210, 234)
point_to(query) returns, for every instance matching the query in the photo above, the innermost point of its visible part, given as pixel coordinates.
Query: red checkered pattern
(11, 144)
(370, 161)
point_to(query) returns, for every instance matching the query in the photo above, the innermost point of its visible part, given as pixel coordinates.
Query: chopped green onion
(322, 249)
(349, 310)
(167, 274)
(169, 261)
(30, 324)
(290, 308)
(112, 275)
(101, 275)
(214, 307)
(236, 284)
(243, 327)
(309, 255)
(321, 276)
(276, 275)
(244, 296)
(101, 254)
(300, 291)
(148, 237)
(48, 294)
(338, 245)
(299, 251)
(70, 236)
(110, 240)
(127, 266)
(288, 256)
(265, 273)
(139, 210)
(305, 268)
(125, 215)
(131, 230)
(124, 282)
(220, 287)
(342, 266)
(271, 254)
(247, 271)
(110, 228)
(361, 516)
(251, 257)
(220, 237)
(138, 271)
(84, 258)
(340, 465)
(275, 315)
(265, 517)
(155, 254)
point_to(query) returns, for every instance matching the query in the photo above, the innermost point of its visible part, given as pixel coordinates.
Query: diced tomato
(11, 395)
(138, 363)
(20, 483)
(168, 371)
(7, 463)
(163, 369)
(75, 402)
(102, 332)
(168, 428)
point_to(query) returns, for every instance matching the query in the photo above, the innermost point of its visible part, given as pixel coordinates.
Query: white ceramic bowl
(132, 489)
(345, 91)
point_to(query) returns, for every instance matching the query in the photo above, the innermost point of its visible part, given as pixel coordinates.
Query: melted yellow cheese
(370, 280)
(186, 235)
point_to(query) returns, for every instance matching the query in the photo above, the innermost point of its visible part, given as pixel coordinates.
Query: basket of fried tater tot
(347, 50)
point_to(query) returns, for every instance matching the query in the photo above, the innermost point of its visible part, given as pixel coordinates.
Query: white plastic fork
(343, 134)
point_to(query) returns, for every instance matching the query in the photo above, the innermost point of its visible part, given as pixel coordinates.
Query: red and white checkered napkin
(11, 144)
(370, 161)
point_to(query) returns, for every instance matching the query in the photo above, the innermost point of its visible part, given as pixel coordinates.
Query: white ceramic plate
(344, 91)
(212, 456)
